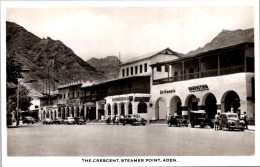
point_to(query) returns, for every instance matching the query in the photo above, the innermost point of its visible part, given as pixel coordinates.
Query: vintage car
(58, 120)
(200, 118)
(69, 120)
(80, 120)
(133, 119)
(177, 121)
(230, 121)
(28, 120)
(47, 121)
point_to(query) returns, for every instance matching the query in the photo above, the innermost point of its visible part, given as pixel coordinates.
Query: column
(97, 110)
(134, 105)
(168, 111)
(75, 111)
(85, 110)
(66, 111)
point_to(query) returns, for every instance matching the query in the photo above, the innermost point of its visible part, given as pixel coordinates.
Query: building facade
(220, 80)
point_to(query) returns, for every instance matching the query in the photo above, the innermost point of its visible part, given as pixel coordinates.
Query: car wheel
(143, 124)
(211, 126)
(169, 124)
(133, 124)
(242, 129)
(192, 125)
(202, 126)
(186, 125)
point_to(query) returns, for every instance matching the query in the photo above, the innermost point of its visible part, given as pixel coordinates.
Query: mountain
(47, 57)
(226, 38)
(110, 65)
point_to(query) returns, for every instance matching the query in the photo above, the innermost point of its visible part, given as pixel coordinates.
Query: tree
(13, 72)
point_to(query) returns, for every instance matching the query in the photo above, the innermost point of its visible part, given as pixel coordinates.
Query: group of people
(114, 119)
(217, 120)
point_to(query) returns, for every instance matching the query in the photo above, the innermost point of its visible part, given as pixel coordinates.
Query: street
(118, 140)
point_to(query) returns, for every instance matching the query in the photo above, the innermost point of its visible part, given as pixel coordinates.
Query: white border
(76, 161)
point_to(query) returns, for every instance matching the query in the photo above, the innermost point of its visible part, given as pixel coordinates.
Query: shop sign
(120, 98)
(61, 105)
(167, 91)
(102, 101)
(144, 99)
(198, 88)
(73, 102)
(91, 104)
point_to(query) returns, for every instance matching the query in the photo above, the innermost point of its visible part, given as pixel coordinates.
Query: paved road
(113, 140)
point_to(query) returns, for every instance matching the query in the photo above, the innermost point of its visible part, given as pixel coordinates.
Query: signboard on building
(198, 88)
(90, 104)
(167, 91)
(120, 98)
(73, 102)
(144, 99)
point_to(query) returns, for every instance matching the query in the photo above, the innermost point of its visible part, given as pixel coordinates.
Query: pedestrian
(245, 119)
(169, 116)
(216, 121)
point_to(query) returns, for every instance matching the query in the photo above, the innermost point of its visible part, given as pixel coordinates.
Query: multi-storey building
(48, 106)
(217, 80)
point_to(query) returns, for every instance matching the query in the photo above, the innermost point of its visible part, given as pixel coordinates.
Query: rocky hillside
(109, 65)
(226, 38)
(43, 55)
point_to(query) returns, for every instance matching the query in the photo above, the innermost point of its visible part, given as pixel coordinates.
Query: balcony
(128, 90)
(204, 74)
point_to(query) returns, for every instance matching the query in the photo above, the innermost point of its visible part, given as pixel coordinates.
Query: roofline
(202, 54)
(176, 54)
(101, 83)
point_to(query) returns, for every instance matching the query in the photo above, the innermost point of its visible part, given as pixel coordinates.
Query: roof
(166, 51)
(225, 39)
(112, 80)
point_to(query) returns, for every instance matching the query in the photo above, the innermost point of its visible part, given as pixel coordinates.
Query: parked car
(231, 121)
(28, 120)
(58, 120)
(80, 120)
(133, 119)
(177, 121)
(200, 118)
(47, 121)
(69, 120)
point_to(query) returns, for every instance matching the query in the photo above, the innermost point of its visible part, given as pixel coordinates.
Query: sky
(132, 31)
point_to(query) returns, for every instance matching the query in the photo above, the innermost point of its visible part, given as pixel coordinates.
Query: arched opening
(211, 106)
(108, 109)
(175, 106)
(192, 104)
(130, 108)
(51, 114)
(77, 111)
(55, 114)
(71, 111)
(160, 108)
(47, 114)
(59, 112)
(115, 109)
(63, 112)
(44, 114)
(142, 107)
(231, 100)
(122, 105)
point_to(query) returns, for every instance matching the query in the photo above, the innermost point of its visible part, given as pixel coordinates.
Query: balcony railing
(128, 90)
(203, 74)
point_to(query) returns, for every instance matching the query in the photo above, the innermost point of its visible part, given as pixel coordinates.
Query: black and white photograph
(120, 83)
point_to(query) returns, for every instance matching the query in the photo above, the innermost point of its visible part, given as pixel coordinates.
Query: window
(127, 71)
(159, 68)
(123, 72)
(141, 68)
(136, 69)
(166, 68)
(142, 107)
(145, 67)
(132, 70)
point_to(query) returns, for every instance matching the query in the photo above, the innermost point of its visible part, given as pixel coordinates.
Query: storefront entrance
(160, 109)
(175, 106)
(192, 105)
(211, 106)
(231, 100)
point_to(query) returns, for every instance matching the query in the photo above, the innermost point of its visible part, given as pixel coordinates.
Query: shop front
(128, 104)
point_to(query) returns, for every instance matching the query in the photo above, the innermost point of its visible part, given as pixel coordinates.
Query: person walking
(245, 119)
(216, 121)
